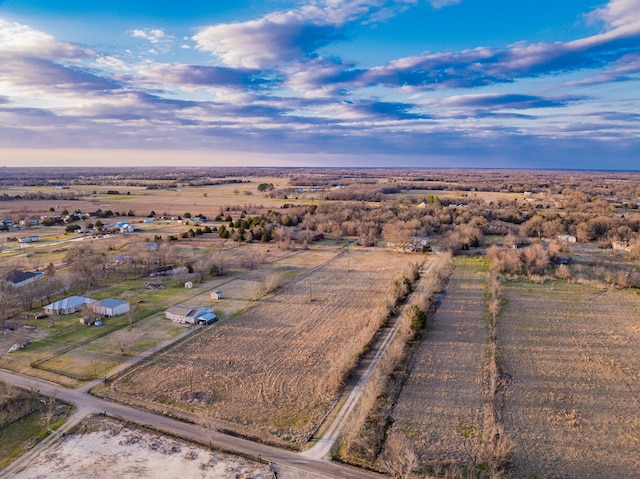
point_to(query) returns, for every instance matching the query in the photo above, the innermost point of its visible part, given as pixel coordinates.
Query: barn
(111, 307)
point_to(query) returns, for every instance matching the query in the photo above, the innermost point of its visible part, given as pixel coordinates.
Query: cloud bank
(267, 83)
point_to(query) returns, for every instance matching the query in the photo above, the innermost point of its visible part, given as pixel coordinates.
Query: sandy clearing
(112, 449)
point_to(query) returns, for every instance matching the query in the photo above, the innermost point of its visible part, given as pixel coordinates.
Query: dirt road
(166, 425)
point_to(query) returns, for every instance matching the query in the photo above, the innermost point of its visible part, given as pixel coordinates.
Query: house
(28, 239)
(419, 243)
(416, 244)
(217, 295)
(184, 315)
(123, 227)
(69, 305)
(17, 279)
(111, 307)
(567, 238)
(29, 222)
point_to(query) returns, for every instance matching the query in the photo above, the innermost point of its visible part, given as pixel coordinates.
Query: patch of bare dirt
(105, 448)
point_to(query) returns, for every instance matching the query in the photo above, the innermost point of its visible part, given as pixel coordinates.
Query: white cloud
(152, 35)
(618, 13)
(20, 39)
(443, 3)
(291, 35)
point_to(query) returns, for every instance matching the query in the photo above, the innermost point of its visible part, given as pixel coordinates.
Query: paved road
(166, 425)
(310, 460)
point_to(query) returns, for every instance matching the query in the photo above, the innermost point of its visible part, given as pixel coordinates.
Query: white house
(28, 239)
(124, 227)
(69, 305)
(17, 279)
(567, 238)
(111, 307)
(184, 315)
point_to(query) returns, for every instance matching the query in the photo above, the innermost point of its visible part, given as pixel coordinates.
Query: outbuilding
(111, 307)
(217, 295)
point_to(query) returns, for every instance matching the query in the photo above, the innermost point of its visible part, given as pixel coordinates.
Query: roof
(70, 302)
(16, 276)
(112, 303)
(195, 313)
(179, 310)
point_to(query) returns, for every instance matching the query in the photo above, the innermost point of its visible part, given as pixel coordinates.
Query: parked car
(42, 316)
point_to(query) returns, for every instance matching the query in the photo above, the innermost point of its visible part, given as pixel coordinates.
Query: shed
(217, 295)
(111, 307)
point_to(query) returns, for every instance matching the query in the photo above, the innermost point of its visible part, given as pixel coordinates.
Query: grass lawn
(21, 435)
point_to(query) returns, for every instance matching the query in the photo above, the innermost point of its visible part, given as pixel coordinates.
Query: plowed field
(271, 371)
(573, 408)
(440, 406)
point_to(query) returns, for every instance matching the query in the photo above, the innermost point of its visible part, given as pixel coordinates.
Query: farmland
(572, 408)
(440, 408)
(274, 370)
(534, 340)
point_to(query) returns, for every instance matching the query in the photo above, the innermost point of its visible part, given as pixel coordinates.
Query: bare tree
(124, 339)
(399, 458)
(398, 236)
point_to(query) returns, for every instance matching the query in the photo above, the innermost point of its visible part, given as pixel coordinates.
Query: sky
(360, 83)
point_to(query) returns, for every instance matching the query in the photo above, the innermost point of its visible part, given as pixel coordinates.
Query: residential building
(184, 315)
(69, 305)
(17, 279)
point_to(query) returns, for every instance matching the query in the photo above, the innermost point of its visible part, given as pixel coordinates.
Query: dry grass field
(440, 406)
(207, 200)
(273, 370)
(572, 408)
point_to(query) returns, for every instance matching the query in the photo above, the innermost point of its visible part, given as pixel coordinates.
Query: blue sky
(459, 83)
